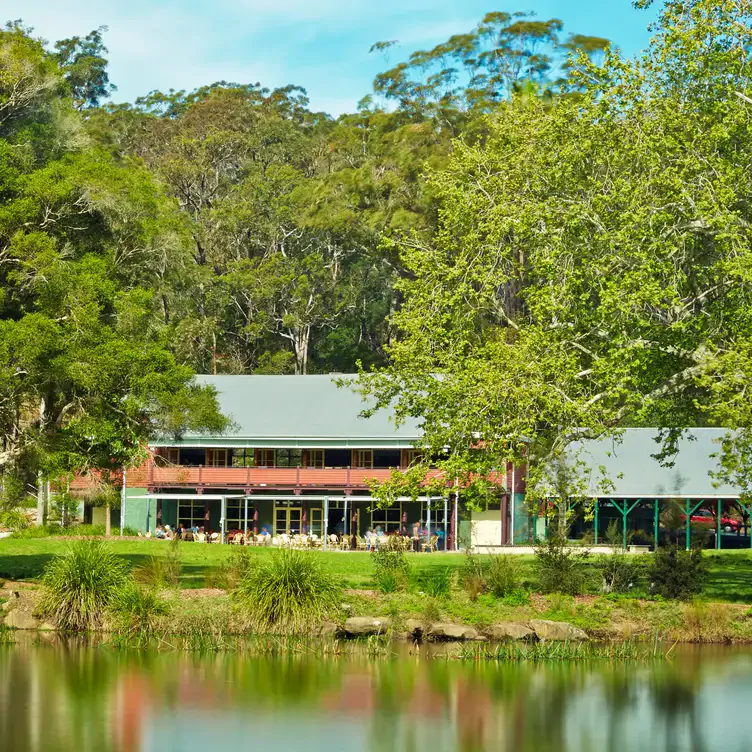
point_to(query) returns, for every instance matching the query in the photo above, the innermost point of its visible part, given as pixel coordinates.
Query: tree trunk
(41, 500)
(107, 521)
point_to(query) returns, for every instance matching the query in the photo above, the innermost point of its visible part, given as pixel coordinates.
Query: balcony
(264, 477)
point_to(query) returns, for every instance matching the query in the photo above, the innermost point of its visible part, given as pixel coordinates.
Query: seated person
(159, 532)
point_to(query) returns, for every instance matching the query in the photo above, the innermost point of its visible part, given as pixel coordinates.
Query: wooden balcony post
(348, 476)
(200, 468)
(297, 476)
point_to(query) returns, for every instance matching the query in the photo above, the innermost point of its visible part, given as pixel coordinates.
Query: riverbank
(208, 618)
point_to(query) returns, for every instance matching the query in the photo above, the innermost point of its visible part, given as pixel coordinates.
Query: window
(235, 515)
(412, 457)
(168, 456)
(191, 512)
(363, 458)
(216, 458)
(243, 458)
(389, 519)
(289, 457)
(315, 458)
(268, 458)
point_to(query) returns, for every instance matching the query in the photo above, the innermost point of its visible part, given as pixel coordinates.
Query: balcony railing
(261, 477)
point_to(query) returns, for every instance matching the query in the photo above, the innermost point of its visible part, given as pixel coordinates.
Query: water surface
(72, 698)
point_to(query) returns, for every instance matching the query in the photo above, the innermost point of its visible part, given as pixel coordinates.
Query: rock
(557, 631)
(45, 626)
(328, 628)
(509, 630)
(7, 605)
(21, 620)
(414, 627)
(361, 626)
(452, 632)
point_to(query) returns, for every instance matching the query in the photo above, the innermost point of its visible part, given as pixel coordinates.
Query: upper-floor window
(363, 458)
(267, 457)
(168, 456)
(412, 457)
(216, 458)
(243, 458)
(315, 458)
(289, 457)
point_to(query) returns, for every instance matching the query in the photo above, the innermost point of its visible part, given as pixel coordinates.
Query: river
(73, 698)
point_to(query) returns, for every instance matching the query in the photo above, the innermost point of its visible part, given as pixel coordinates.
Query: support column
(222, 513)
(689, 510)
(656, 522)
(354, 529)
(245, 519)
(255, 518)
(625, 510)
(325, 531)
(452, 542)
(159, 511)
(505, 519)
(304, 519)
(719, 510)
(595, 521)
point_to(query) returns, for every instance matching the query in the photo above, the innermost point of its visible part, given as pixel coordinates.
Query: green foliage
(473, 575)
(391, 570)
(504, 575)
(80, 584)
(135, 612)
(161, 570)
(287, 592)
(560, 567)
(435, 582)
(677, 573)
(47, 531)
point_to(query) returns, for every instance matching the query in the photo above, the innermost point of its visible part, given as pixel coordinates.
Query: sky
(322, 45)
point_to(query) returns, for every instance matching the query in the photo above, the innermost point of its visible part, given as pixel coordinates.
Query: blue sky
(321, 45)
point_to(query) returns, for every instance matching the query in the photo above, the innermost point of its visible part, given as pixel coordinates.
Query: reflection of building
(299, 458)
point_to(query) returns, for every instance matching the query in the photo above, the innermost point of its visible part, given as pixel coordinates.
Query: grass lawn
(730, 573)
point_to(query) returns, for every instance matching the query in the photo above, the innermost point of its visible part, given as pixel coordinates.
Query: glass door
(287, 520)
(316, 525)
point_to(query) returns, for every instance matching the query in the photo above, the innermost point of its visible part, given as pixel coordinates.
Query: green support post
(625, 510)
(595, 537)
(718, 527)
(656, 521)
(688, 512)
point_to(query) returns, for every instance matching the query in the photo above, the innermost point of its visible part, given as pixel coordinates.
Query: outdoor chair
(201, 537)
(431, 545)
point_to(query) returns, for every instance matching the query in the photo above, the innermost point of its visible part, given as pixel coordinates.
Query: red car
(706, 517)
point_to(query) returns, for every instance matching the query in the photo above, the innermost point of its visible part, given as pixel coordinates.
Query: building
(299, 458)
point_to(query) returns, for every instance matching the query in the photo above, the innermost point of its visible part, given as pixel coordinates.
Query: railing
(260, 477)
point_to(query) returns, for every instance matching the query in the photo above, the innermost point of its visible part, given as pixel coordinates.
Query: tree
(86, 378)
(591, 268)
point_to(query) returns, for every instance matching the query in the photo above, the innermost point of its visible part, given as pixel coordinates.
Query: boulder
(21, 620)
(452, 632)
(45, 626)
(510, 630)
(328, 629)
(557, 631)
(362, 626)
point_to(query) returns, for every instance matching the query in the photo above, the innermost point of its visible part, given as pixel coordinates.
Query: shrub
(473, 576)
(431, 612)
(504, 574)
(80, 584)
(618, 572)
(13, 519)
(560, 567)
(136, 610)
(436, 581)
(286, 592)
(161, 570)
(391, 570)
(517, 597)
(676, 573)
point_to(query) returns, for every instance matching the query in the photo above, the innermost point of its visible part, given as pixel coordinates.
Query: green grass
(729, 573)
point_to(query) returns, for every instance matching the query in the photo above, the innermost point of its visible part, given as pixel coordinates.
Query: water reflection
(66, 697)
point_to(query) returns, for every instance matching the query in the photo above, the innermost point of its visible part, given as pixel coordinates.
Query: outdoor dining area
(376, 540)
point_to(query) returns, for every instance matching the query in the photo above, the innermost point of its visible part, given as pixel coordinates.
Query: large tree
(86, 377)
(592, 266)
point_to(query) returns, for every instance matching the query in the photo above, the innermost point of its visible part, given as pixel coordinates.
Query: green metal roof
(298, 411)
(643, 477)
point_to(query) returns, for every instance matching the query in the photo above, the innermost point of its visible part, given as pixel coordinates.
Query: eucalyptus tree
(591, 267)
(86, 378)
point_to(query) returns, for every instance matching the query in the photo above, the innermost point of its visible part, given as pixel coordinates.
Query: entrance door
(287, 520)
(317, 521)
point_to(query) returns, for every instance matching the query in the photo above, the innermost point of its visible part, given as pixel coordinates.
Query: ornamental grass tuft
(135, 611)
(286, 593)
(80, 584)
